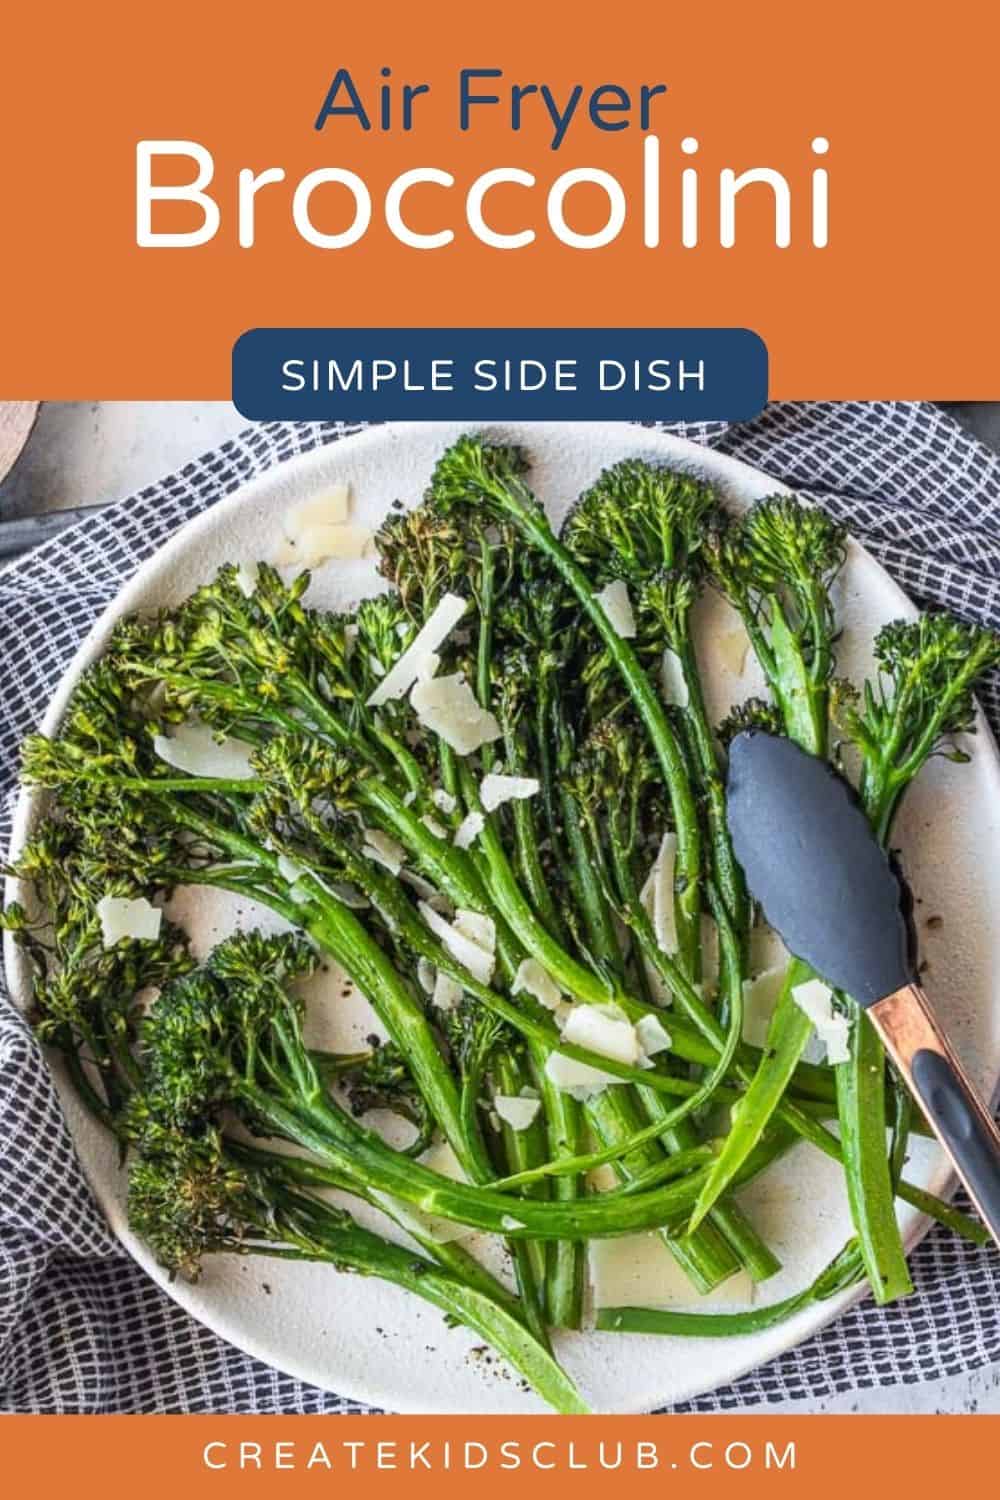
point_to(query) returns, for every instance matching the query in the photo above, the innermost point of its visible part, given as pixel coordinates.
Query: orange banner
(824, 177)
(438, 1457)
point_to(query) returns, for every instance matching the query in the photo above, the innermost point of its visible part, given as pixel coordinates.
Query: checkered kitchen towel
(81, 1327)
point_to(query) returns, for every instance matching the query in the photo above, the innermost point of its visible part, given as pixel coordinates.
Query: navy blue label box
(571, 374)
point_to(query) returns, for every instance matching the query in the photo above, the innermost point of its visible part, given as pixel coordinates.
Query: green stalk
(523, 1149)
(787, 1033)
(526, 1148)
(862, 1114)
(349, 942)
(359, 1154)
(802, 694)
(564, 1278)
(705, 1258)
(451, 1255)
(364, 1252)
(845, 1271)
(728, 1218)
(727, 873)
(517, 502)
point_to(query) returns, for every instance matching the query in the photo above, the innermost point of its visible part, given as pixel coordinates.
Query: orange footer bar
(182, 1457)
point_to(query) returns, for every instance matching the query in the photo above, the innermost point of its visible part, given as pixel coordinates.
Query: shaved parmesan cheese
(602, 1179)
(732, 646)
(516, 1112)
(477, 928)
(710, 954)
(128, 917)
(577, 1079)
(441, 1158)
(384, 850)
(657, 984)
(194, 749)
(652, 1036)
(617, 606)
(767, 951)
(447, 707)
(466, 950)
(329, 509)
(447, 992)
(347, 895)
(443, 800)
(509, 1222)
(431, 635)
(495, 790)
(531, 976)
(433, 826)
(672, 680)
(423, 887)
(289, 870)
(604, 1029)
(319, 542)
(636, 1270)
(816, 999)
(760, 996)
(247, 575)
(658, 895)
(469, 830)
(426, 975)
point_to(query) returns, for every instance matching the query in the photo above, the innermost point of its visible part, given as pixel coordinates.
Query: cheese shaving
(128, 917)
(494, 789)
(653, 1037)
(537, 981)
(732, 646)
(577, 1079)
(290, 869)
(405, 671)
(816, 999)
(384, 850)
(517, 1112)
(658, 894)
(194, 749)
(672, 680)
(332, 508)
(617, 607)
(604, 1029)
(447, 707)
(478, 929)
(760, 996)
(632, 1270)
(447, 992)
(466, 950)
(320, 543)
(469, 830)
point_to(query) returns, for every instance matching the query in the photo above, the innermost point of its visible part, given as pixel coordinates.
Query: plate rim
(676, 449)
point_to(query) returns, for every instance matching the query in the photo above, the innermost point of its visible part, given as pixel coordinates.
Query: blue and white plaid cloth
(82, 1329)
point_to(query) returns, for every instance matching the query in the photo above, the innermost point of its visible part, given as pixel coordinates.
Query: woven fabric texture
(82, 1329)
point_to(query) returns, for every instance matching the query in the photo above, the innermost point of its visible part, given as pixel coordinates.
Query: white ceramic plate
(372, 1342)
